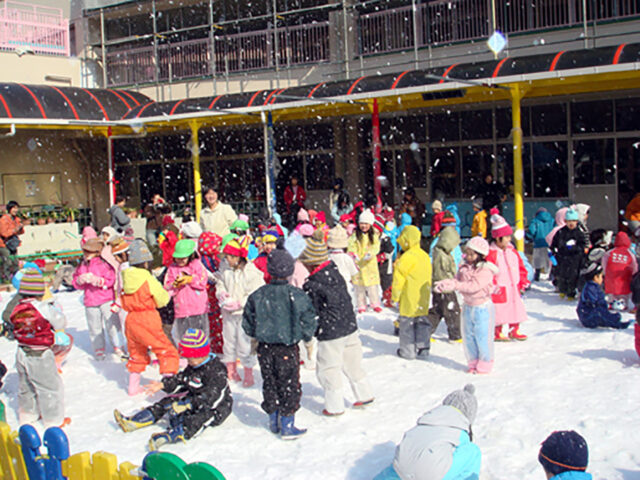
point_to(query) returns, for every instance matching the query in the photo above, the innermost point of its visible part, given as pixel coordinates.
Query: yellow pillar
(518, 190)
(195, 155)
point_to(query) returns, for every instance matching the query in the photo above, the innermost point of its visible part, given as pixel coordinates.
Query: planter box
(54, 237)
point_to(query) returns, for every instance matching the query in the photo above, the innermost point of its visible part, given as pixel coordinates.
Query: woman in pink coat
(511, 280)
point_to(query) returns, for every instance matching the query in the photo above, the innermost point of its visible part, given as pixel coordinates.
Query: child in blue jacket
(592, 308)
(564, 455)
(539, 228)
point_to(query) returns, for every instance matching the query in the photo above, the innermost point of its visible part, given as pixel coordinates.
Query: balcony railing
(230, 53)
(447, 21)
(33, 29)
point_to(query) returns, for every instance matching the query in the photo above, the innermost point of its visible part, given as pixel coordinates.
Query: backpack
(30, 327)
(635, 288)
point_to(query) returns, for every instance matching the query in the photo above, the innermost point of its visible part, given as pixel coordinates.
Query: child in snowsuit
(142, 296)
(278, 316)
(38, 328)
(97, 278)
(592, 307)
(186, 282)
(539, 228)
(619, 266)
(475, 281)
(339, 347)
(235, 284)
(365, 246)
(384, 258)
(411, 289)
(209, 249)
(568, 247)
(511, 279)
(436, 218)
(198, 397)
(445, 305)
(479, 224)
(564, 455)
(440, 446)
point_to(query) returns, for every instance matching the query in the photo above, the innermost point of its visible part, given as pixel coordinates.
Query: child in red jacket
(619, 267)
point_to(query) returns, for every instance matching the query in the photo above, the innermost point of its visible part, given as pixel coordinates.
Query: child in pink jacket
(186, 282)
(97, 278)
(474, 281)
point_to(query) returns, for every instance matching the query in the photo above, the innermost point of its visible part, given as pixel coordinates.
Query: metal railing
(448, 21)
(231, 53)
(33, 29)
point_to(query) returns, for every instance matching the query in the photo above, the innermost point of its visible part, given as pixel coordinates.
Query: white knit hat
(367, 217)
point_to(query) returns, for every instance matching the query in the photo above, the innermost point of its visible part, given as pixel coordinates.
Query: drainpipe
(376, 144)
(111, 178)
(195, 156)
(516, 130)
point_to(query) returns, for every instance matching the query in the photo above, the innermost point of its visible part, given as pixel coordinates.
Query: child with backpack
(38, 328)
(278, 316)
(98, 279)
(186, 282)
(592, 306)
(475, 281)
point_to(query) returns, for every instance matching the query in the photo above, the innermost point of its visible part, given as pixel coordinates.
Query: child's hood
(410, 237)
(327, 275)
(405, 219)
(445, 416)
(133, 278)
(622, 240)
(448, 239)
(544, 216)
(560, 222)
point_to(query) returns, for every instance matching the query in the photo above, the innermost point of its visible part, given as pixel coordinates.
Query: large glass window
(504, 167)
(550, 174)
(476, 162)
(150, 176)
(445, 163)
(476, 124)
(410, 168)
(627, 114)
(126, 177)
(587, 117)
(504, 122)
(444, 127)
(230, 180)
(593, 162)
(320, 171)
(177, 182)
(549, 119)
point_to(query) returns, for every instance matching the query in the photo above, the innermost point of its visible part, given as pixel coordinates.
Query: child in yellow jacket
(411, 288)
(479, 225)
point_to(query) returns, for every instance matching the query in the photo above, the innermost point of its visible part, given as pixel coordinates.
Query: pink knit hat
(499, 226)
(303, 215)
(478, 245)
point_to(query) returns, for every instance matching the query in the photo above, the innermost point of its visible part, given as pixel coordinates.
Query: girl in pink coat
(186, 282)
(475, 281)
(511, 280)
(97, 279)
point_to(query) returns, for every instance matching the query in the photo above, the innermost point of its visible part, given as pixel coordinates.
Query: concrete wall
(33, 69)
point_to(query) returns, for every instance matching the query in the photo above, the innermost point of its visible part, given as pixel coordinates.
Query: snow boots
(386, 298)
(134, 384)
(288, 431)
(248, 377)
(514, 332)
(143, 418)
(172, 435)
(232, 372)
(274, 422)
(499, 336)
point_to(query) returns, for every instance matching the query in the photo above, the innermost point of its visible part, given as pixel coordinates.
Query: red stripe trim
(73, 109)
(6, 107)
(120, 97)
(313, 90)
(95, 99)
(214, 101)
(176, 106)
(44, 115)
(273, 100)
(353, 86)
(144, 107)
(498, 67)
(446, 72)
(554, 62)
(395, 84)
(616, 57)
(269, 97)
(131, 97)
(254, 97)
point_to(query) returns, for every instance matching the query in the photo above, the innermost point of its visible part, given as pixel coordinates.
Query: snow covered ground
(563, 377)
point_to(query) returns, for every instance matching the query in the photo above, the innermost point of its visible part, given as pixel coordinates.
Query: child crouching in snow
(440, 445)
(592, 308)
(475, 282)
(278, 316)
(564, 455)
(199, 395)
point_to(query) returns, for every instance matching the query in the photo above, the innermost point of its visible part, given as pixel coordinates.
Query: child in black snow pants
(199, 395)
(278, 316)
(568, 247)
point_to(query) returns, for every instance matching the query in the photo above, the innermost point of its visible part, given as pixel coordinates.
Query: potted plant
(70, 214)
(52, 217)
(41, 219)
(26, 216)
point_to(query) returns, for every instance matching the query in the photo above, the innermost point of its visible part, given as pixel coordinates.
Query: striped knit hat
(316, 252)
(32, 283)
(194, 344)
(238, 247)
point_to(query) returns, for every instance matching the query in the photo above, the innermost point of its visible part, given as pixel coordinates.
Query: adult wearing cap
(10, 229)
(364, 245)
(142, 296)
(278, 316)
(216, 217)
(440, 445)
(564, 455)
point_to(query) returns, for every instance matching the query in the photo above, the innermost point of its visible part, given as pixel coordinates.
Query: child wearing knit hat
(565, 455)
(198, 397)
(337, 243)
(339, 347)
(511, 280)
(278, 316)
(38, 328)
(364, 246)
(568, 247)
(440, 445)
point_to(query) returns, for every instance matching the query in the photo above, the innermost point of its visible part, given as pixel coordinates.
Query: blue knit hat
(571, 215)
(564, 451)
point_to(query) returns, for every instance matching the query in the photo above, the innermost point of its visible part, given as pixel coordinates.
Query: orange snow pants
(143, 331)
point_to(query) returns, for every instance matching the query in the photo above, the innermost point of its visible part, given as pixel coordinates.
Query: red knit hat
(238, 247)
(378, 223)
(499, 226)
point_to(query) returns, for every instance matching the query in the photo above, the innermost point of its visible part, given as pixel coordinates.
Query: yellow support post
(195, 155)
(516, 131)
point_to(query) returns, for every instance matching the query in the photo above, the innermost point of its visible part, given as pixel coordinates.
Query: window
(177, 182)
(150, 176)
(403, 130)
(550, 174)
(444, 172)
(504, 122)
(476, 124)
(228, 142)
(627, 114)
(410, 169)
(254, 180)
(174, 147)
(549, 119)
(476, 162)
(594, 163)
(589, 117)
(318, 136)
(320, 171)
(230, 180)
(126, 177)
(443, 127)
(504, 168)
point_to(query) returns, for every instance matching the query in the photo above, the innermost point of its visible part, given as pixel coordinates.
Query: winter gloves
(231, 306)
(61, 339)
(90, 279)
(182, 280)
(179, 407)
